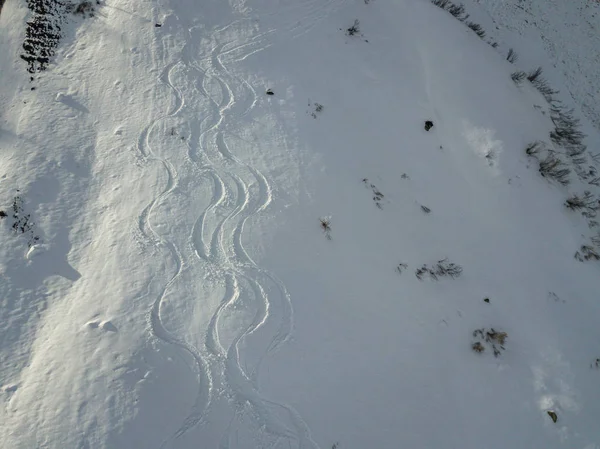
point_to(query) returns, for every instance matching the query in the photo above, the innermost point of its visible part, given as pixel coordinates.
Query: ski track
(157, 329)
(239, 193)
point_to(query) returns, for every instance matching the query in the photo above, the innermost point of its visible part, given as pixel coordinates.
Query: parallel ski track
(240, 192)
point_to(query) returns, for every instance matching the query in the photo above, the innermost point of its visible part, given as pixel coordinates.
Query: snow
(175, 286)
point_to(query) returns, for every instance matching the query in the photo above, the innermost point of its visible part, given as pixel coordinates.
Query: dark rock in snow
(428, 125)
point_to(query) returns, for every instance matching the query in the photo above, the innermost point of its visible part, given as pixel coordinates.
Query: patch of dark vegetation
(587, 253)
(84, 9)
(491, 339)
(425, 209)
(457, 11)
(401, 267)
(21, 222)
(44, 29)
(566, 132)
(428, 125)
(512, 56)
(553, 168)
(354, 28)
(587, 203)
(553, 416)
(518, 77)
(478, 29)
(442, 268)
(317, 109)
(325, 223)
(534, 148)
(42, 34)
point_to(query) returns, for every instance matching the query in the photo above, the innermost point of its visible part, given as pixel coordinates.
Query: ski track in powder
(239, 193)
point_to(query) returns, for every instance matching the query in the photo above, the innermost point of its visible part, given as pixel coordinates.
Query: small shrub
(532, 76)
(440, 269)
(84, 8)
(512, 56)
(354, 29)
(518, 77)
(441, 3)
(425, 209)
(401, 267)
(22, 223)
(458, 11)
(552, 167)
(491, 338)
(553, 416)
(566, 131)
(586, 253)
(2, 214)
(325, 223)
(588, 202)
(318, 108)
(544, 88)
(477, 29)
(478, 347)
(534, 148)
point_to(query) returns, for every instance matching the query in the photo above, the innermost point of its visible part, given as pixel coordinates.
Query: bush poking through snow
(553, 168)
(518, 77)
(2, 214)
(325, 223)
(318, 108)
(534, 148)
(354, 29)
(478, 29)
(532, 76)
(442, 268)
(491, 338)
(22, 223)
(512, 56)
(586, 253)
(84, 8)
(401, 267)
(457, 11)
(588, 203)
(553, 416)
(478, 347)
(425, 209)
(566, 131)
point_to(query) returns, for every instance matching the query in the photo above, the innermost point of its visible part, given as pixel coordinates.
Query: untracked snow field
(224, 226)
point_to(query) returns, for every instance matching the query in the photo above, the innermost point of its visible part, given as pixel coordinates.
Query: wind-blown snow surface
(182, 293)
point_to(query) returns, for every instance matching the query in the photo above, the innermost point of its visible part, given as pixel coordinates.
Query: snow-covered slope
(206, 265)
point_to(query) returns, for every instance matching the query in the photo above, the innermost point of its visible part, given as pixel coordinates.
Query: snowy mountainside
(203, 264)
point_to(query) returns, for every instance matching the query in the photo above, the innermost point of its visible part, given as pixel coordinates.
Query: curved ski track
(240, 192)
